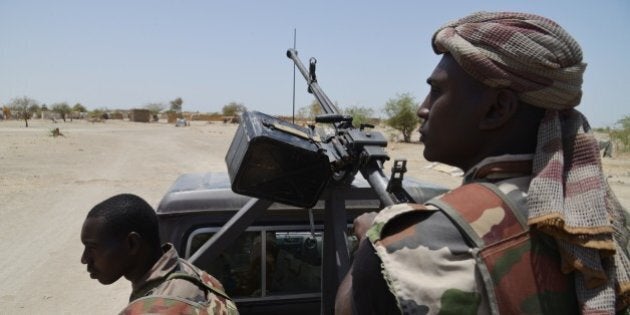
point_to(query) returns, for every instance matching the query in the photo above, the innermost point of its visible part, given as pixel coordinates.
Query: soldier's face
(105, 256)
(452, 112)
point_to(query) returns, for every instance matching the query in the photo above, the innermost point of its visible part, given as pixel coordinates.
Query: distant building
(140, 115)
(115, 115)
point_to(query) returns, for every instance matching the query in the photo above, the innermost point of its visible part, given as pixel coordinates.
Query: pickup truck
(275, 265)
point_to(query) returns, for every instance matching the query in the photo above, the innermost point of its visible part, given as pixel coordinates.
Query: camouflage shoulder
(169, 305)
(389, 213)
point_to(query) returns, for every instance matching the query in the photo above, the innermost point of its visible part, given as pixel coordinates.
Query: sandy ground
(48, 184)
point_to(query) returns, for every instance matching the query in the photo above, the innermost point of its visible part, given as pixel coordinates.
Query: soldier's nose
(423, 112)
(83, 258)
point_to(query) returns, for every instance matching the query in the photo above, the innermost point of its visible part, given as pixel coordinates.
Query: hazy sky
(125, 54)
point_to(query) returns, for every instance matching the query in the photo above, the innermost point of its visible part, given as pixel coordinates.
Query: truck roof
(209, 192)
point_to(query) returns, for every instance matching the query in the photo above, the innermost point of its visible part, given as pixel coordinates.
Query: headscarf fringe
(592, 277)
(623, 300)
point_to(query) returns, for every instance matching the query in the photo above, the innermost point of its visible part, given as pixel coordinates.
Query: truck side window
(292, 255)
(235, 266)
(295, 262)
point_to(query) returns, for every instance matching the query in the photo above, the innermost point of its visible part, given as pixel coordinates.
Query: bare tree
(24, 107)
(155, 109)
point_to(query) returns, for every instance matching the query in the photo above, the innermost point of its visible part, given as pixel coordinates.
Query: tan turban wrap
(526, 53)
(568, 197)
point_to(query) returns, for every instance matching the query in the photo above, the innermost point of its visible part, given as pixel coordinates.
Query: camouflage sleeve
(367, 274)
(430, 229)
(161, 305)
(175, 306)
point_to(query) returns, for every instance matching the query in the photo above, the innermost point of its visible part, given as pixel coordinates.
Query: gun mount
(276, 161)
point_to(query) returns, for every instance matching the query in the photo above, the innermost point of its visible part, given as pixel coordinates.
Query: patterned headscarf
(568, 197)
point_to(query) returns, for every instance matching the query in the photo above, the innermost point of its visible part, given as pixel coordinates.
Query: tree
(155, 108)
(23, 108)
(98, 114)
(309, 112)
(401, 115)
(35, 109)
(79, 108)
(176, 104)
(621, 136)
(360, 115)
(624, 122)
(233, 109)
(62, 109)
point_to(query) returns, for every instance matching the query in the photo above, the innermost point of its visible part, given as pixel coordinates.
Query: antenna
(294, 43)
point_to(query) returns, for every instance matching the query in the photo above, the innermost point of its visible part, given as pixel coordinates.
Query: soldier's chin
(103, 280)
(427, 155)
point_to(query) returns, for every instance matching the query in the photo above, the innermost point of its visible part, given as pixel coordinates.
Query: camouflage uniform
(174, 286)
(503, 267)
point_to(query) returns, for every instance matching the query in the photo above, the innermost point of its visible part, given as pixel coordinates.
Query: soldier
(535, 228)
(121, 238)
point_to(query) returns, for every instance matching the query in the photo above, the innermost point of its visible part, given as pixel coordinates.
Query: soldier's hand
(362, 223)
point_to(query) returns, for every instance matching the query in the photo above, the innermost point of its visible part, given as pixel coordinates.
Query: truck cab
(275, 265)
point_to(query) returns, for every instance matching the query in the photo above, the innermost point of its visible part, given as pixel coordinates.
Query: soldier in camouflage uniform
(534, 229)
(121, 238)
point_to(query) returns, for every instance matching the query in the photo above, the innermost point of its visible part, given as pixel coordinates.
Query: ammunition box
(276, 160)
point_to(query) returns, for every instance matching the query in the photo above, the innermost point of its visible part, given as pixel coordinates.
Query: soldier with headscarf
(535, 228)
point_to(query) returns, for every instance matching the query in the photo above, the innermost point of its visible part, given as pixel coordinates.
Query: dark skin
(110, 257)
(464, 122)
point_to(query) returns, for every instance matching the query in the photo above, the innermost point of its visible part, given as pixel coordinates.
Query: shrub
(401, 113)
(621, 136)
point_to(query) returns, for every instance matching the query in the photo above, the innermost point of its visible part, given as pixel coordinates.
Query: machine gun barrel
(373, 173)
(372, 169)
(311, 79)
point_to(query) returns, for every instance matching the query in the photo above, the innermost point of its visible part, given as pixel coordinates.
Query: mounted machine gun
(277, 161)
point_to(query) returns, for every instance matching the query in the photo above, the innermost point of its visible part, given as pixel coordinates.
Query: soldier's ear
(500, 110)
(133, 243)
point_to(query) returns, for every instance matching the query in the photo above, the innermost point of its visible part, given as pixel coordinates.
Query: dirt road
(48, 184)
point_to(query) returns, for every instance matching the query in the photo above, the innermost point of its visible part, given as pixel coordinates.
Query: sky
(126, 54)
